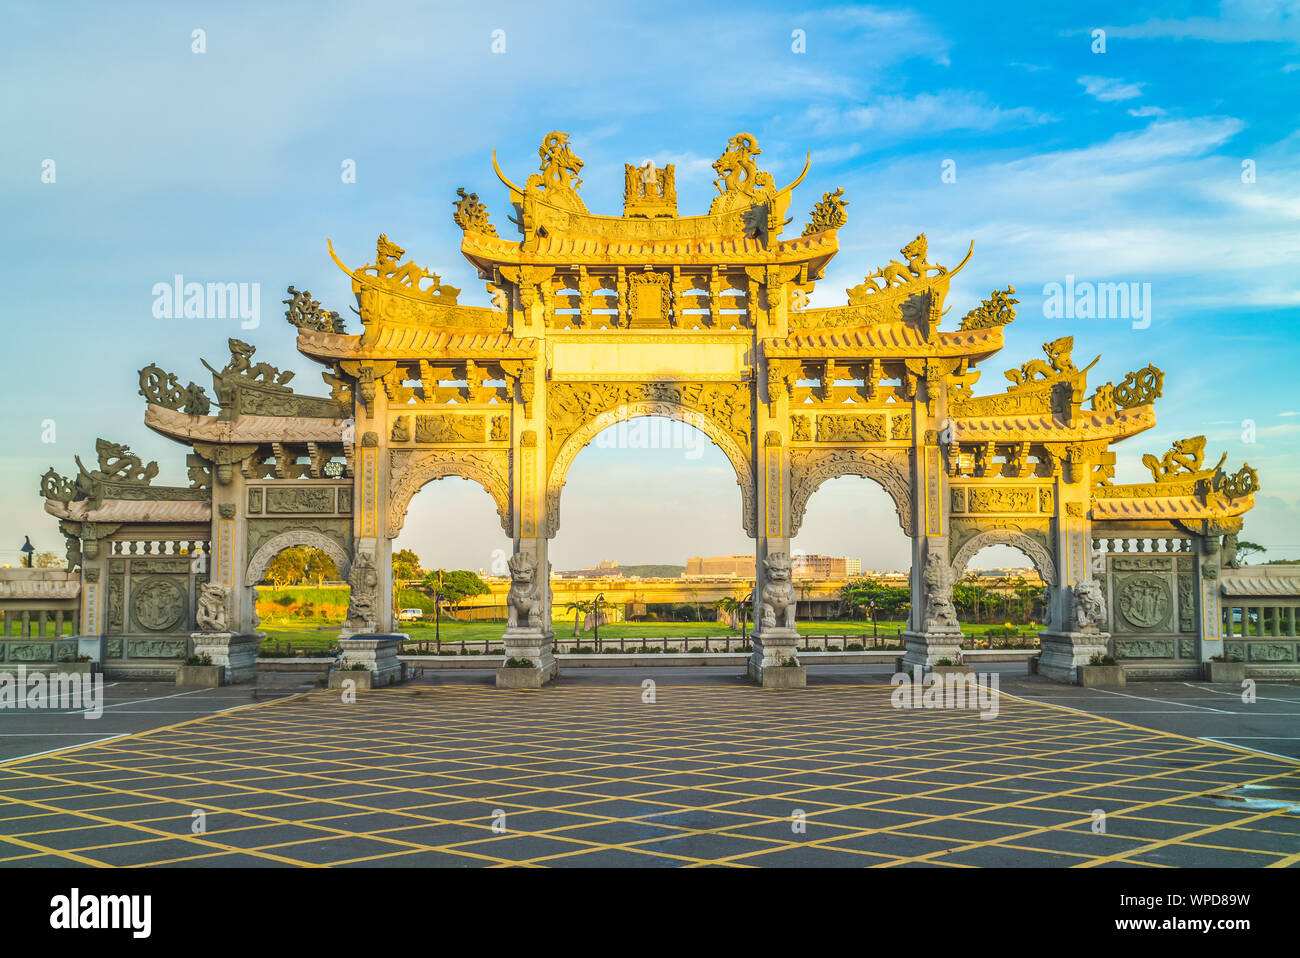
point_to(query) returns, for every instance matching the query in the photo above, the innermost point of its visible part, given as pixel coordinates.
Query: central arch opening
(651, 553)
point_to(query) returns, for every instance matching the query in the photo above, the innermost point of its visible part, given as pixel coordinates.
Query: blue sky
(1122, 166)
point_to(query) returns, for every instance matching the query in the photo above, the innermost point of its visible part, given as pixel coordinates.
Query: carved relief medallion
(1144, 601)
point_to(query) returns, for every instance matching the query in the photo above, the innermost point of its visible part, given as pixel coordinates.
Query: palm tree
(579, 608)
(730, 607)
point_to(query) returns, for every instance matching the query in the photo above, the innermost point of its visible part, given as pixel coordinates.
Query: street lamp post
(27, 550)
(875, 631)
(596, 612)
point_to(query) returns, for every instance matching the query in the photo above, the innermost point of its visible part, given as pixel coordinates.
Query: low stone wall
(716, 659)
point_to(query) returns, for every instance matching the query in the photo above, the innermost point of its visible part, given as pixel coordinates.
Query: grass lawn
(303, 634)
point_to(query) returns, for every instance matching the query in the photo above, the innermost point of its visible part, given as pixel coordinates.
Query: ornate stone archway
(700, 318)
(809, 468)
(1038, 553)
(409, 471)
(261, 559)
(579, 438)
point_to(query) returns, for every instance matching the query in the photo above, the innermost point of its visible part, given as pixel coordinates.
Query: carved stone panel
(869, 428)
(30, 651)
(157, 648)
(446, 428)
(158, 603)
(254, 502)
(1144, 602)
(1144, 648)
(116, 602)
(1007, 499)
(1271, 651)
(1186, 603)
(299, 499)
(172, 564)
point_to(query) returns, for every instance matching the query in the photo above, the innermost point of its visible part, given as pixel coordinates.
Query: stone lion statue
(1089, 607)
(778, 593)
(211, 615)
(524, 596)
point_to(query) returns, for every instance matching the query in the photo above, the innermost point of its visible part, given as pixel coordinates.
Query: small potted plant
(1102, 671)
(1219, 669)
(358, 673)
(950, 666)
(198, 672)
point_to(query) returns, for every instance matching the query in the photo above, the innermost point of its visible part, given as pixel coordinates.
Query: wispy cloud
(1107, 89)
(948, 110)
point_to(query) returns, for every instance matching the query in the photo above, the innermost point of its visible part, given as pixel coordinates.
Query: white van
(410, 615)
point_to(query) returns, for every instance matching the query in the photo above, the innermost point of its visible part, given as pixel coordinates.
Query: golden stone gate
(704, 319)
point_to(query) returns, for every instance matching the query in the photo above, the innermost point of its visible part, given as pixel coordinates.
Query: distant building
(825, 567)
(605, 568)
(738, 566)
(801, 564)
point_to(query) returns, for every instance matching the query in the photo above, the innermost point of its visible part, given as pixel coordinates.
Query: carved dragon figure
(560, 165)
(471, 214)
(1187, 455)
(1058, 364)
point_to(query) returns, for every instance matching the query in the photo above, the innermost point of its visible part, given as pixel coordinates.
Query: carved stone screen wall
(706, 319)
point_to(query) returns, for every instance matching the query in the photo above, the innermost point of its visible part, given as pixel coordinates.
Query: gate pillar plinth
(1063, 653)
(924, 649)
(377, 652)
(237, 652)
(774, 663)
(533, 647)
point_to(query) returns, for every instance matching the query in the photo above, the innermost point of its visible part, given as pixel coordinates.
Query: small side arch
(1037, 552)
(409, 471)
(891, 469)
(272, 547)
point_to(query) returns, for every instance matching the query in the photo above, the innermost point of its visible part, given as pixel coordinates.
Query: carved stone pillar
(529, 654)
(932, 633)
(1077, 615)
(774, 661)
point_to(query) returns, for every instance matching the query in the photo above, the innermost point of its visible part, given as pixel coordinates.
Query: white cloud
(926, 113)
(1145, 111)
(1107, 89)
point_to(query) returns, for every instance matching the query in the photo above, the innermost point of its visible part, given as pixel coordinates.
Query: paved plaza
(448, 771)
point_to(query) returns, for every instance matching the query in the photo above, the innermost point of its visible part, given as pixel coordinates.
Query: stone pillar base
(378, 652)
(927, 648)
(528, 645)
(236, 651)
(1063, 653)
(774, 663)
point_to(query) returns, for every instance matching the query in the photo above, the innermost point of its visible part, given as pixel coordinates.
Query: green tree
(579, 608)
(301, 564)
(1247, 549)
(455, 585)
(406, 565)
